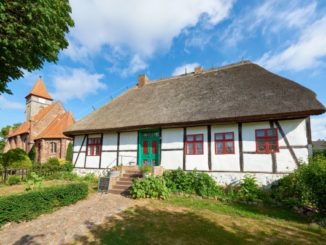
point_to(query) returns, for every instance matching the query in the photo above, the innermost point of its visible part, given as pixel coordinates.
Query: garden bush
(31, 204)
(151, 187)
(306, 186)
(16, 158)
(192, 183)
(248, 190)
(13, 180)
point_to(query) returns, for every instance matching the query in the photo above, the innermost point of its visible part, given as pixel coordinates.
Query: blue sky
(114, 41)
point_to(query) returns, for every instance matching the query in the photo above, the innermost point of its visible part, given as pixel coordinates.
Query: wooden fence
(5, 173)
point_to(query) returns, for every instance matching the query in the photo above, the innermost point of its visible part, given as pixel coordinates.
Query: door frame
(140, 145)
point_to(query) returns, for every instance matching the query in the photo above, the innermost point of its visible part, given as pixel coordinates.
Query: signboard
(103, 184)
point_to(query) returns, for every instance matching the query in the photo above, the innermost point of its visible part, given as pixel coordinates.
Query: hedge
(29, 205)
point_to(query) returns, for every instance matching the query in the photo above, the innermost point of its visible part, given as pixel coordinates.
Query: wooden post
(209, 136)
(240, 146)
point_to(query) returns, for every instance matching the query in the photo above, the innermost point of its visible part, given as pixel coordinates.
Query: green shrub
(34, 182)
(69, 153)
(32, 154)
(146, 169)
(151, 187)
(29, 205)
(13, 180)
(248, 189)
(192, 183)
(16, 158)
(68, 167)
(306, 186)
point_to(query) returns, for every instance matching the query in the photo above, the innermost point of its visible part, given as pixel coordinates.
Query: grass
(182, 220)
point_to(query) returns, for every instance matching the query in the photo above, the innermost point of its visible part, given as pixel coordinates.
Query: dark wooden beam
(118, 147)
(308, 131)
(160, 156)
(86, 151)
(294, 157)
(240, 147)
(80, 150)
(209, 140)
(100, 161)
(274, 163)
(184, 148)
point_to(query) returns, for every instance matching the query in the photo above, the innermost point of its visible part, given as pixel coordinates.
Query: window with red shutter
(224, 143)
(267, 140)
(195, 144)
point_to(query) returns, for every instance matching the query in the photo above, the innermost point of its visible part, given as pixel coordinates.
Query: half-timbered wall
(293, 140)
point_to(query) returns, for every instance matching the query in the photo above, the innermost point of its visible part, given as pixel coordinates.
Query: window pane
(219, 148)
(260, 133)
(199, 137)
(261, 146)
(271, 132)
(218, 136)
(190, 138)
(190, 148)
(199, 148)
(229, 147)
(89, 150)
(229, 136)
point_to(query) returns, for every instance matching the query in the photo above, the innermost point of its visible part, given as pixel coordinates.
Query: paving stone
(61, 226)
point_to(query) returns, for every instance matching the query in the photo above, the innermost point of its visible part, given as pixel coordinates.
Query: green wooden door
(149, 148)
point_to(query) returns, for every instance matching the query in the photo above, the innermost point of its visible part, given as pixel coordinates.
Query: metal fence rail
(5, 173)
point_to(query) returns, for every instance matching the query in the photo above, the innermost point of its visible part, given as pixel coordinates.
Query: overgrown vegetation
(13, 180)
(31, 204)
(69, 152)
(150, 187)
(304, 187)
(192, 183)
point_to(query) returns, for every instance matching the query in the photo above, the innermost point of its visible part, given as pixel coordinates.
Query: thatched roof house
(240, 92)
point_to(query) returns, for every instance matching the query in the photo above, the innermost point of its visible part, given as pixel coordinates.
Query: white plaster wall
(199, 162)
(257, 162)
(108, 159)
(302, 154)
(128, 141)
(172, 159)
(110, 142)
(248, 134)
(127, 158)
(78, 142)
(234, 178)
(94, 136)
(225, 162)
(92, 161)
(172, 138)
(295, 131)
(81, 159)
(84, 171)
(285, 162)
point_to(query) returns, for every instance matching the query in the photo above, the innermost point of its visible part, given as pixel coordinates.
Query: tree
(31, 33)
(16, 158)
(69, 153)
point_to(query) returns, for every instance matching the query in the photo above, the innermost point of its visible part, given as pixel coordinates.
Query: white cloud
(143, 26)
(136, 64)
(185, 68)
(270, 17)
(306, 53)
(7, 104)
(76, 83)
(318, 127)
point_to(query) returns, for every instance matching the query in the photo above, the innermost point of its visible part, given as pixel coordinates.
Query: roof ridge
(39, 89)
(213, 69)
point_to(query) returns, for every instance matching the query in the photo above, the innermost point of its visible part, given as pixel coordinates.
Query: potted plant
(115, 171)
(146, 170)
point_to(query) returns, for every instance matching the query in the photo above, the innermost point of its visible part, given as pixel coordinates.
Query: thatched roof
(238, 92)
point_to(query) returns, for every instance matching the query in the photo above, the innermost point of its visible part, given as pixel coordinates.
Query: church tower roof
(40, 90)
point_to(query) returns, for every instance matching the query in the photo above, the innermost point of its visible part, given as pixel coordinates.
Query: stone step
(126, 179)
(121, 187)
(123, 182)
(118, 192)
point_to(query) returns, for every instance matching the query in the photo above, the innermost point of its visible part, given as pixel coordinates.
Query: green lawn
(181, 220)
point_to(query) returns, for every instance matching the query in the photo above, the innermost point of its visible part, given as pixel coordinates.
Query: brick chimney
(142, 80)
(198, 70)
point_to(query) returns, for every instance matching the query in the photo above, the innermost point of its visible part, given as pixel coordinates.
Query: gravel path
(65, 224)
